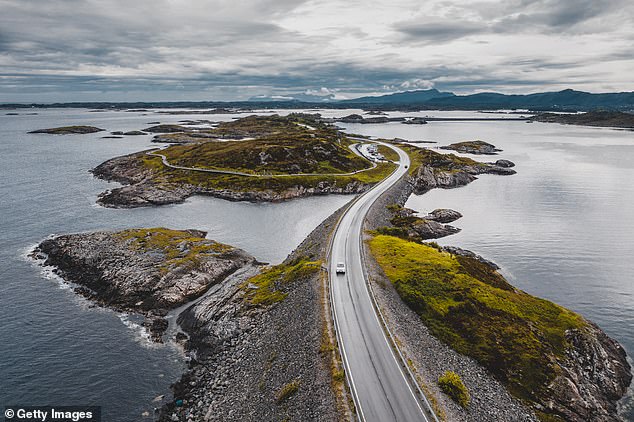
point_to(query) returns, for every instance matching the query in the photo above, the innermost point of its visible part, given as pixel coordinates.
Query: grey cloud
(233, 49)
(429, 32)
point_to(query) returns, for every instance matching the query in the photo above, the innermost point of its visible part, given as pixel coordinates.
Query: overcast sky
(122, 50)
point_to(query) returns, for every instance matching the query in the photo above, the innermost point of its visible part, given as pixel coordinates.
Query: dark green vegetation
(269, 286)
(451, 384)
(68, 130)
(593, 118)
(521, 339)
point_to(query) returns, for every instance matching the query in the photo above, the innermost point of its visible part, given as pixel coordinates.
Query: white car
(341, 268)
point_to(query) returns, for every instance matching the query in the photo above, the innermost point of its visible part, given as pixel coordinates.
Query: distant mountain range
(429, 99)
(568, 99)
(407, 97)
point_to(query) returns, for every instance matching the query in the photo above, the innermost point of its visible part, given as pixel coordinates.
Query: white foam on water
(139, 332)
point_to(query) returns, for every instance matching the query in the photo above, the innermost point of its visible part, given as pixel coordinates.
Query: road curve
(166, 163)
(380, 386)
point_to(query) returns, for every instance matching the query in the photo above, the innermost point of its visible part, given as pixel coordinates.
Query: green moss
(451, 384)
(268, 287)
(287, 391)
(420, 157)
(388, 153)
(179, 248)
(518, 337)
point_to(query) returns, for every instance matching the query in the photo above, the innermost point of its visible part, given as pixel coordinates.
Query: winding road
(382, 387)
(166, 163)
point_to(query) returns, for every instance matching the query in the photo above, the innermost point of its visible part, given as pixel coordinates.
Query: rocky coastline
(144, 271)
(448, 171)
(594, 371)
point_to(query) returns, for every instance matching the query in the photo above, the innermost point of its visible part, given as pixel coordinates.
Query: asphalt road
(380, 386)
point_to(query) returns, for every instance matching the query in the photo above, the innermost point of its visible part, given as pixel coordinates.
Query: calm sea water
(562, 228)
(57, 349)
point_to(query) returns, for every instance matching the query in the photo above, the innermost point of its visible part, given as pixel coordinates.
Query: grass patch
(420, 157)
(268, 287)
(180, 248)
(388, 153)
(518, 337)
(451, 384)
(287, 391)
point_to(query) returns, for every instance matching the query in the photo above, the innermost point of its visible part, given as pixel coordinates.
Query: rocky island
(431, 170)
(407, 225)
(473, 147)
(290, 157)
(146, 271)
(616, 119)
(69, 130)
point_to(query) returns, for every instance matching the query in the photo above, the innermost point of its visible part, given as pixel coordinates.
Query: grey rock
(443, 215)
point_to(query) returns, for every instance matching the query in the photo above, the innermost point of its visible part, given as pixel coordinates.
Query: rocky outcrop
(469, 254)
(473, 147)
(406, 224)
(147, 271)
(443, 215)
(357, 118)
(69, 130)
(504, 163)
(166, 128)
(595, 375)
(450, 171)
(184, 138)
(428, 229)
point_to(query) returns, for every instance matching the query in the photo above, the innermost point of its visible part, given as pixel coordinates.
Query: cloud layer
(116, 50)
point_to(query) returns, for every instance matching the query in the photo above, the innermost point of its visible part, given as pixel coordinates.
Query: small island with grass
(69, 130)
(277, 158)
(473, 147)
(146, 271)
